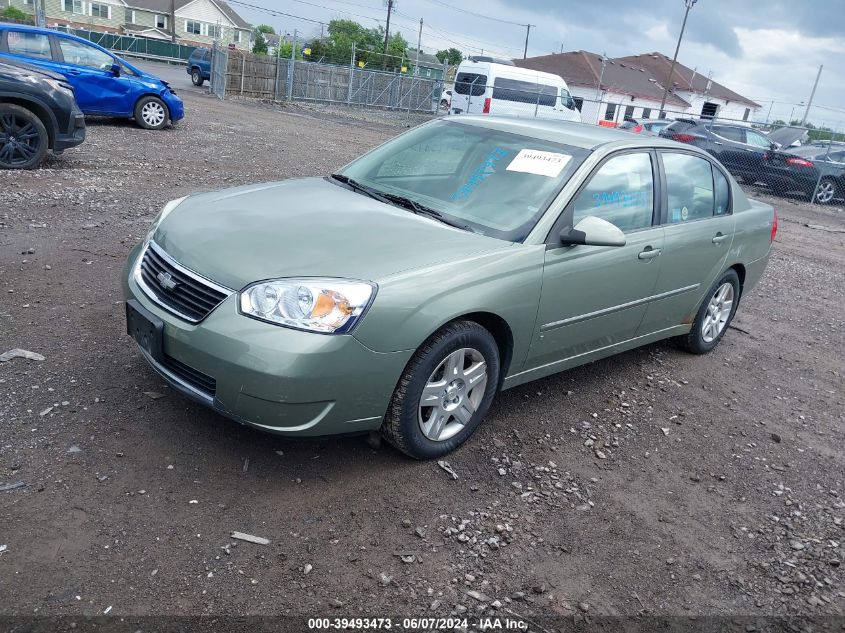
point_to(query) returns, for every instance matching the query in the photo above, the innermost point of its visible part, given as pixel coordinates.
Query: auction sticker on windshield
(533, 161)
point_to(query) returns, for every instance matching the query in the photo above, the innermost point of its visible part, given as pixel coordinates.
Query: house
(707, 97)
(427, 66)
(633, 87)
(606, 89)
(197, 22)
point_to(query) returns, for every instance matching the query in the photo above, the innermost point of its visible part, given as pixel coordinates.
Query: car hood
(786, 136)
(17, 70)
(308, 227)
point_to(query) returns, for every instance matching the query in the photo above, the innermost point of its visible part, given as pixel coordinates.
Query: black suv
(740, 149)
(38, 112)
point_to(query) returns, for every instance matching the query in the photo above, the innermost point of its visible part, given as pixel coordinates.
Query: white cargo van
(490, 86)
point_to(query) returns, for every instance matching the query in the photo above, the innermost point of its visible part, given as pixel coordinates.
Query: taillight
(638, 129)
(774, 225)
(486, 106)
(798, 162)
(683, 138)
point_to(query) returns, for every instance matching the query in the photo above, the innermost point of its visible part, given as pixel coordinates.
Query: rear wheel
(196, 77)
(23, 138)
(826, 191)
(714, 316)
(445, 391)
(151, 113)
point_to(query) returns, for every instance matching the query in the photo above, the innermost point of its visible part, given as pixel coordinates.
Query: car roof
(583, 135)
(45, 31)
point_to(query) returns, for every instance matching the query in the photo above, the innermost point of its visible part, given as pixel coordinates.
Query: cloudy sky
(768, 51)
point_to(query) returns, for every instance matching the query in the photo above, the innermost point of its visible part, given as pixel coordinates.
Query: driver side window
(81, 54)
(621, 192)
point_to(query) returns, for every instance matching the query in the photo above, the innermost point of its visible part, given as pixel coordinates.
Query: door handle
(719, 238)
(717, 142)
(649, 253)
(73, 72)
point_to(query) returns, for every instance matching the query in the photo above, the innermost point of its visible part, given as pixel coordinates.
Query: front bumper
(74, 136)
(174, 105)
(273, 378)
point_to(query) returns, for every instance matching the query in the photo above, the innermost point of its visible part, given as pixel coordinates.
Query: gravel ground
(654, 482)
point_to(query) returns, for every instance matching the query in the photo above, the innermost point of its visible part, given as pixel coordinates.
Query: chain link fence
(133, 45)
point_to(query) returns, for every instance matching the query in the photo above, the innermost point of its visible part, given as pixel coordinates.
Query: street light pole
(689, 4)
(527, 33)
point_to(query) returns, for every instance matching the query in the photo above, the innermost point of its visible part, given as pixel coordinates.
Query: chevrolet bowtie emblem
(166, 281)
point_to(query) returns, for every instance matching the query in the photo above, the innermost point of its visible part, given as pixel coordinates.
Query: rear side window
(29, 44)
(730, 133)
(621, 192)
(689, 186)
(524, 92)
(723, 192)
(470, 84)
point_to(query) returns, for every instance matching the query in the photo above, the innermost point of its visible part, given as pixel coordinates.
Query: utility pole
(812, 94)
(689, 4)
(387, 27)
(417, 60)
(172, 21)
(527, 33)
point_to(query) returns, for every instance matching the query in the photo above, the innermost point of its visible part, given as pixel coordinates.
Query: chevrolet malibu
(464, 257)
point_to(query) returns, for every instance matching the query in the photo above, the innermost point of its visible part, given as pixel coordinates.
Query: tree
(265, 28)
(259, 47)
(451, 55)
(13, 13)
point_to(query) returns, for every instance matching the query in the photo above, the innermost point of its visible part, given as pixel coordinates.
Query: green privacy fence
(146, 47)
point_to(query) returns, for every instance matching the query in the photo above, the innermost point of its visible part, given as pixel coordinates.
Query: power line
(478, 15)
(299, 17)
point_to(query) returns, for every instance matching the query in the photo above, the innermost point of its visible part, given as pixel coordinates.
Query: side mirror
(115, 70)
(776, 146)
(593, 231)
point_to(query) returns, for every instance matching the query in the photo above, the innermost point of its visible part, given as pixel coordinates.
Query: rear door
(727, 143)
(470, 88)
(698, 227)
(594, 297)
(89, 70)
(29, 47)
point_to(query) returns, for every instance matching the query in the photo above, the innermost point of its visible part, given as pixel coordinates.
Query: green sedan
(469, 255)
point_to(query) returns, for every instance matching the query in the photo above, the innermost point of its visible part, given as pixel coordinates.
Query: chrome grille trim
(199, 297)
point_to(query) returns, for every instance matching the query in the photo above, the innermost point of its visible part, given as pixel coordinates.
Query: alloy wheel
(718, 313)
(825, 192)
(153, 113)
(19, 140)
(452, 394)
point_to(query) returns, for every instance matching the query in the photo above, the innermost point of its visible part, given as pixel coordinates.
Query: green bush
(13, 13)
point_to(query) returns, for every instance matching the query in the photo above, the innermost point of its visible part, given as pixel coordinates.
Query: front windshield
(496, 183)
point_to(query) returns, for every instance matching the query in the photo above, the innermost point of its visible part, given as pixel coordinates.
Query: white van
(490, 86)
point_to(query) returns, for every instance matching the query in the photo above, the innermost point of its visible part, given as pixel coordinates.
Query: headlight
(331, 306)
(163, 214)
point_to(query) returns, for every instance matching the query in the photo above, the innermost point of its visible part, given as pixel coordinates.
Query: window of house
(213, 31)
(193, 27)
(236, 37)
(29, 44)
(689, 187)
(629, 112)
(73, 6)
(621, 192)
(646, 113)
(747, 114)
(709, 110)
(161, 21)
(81, 54)
(29, 3)
(610, 113)
(100, 10)
(129, 16)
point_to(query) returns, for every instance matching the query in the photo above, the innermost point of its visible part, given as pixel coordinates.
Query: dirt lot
(654, 482)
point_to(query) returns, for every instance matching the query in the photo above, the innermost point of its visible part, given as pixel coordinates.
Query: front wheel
(196, 77)
(714, 316)
(23, 138)
(826, 191)
(445, 391)
(151, 113)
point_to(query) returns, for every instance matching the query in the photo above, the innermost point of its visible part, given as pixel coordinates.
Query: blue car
(199, 66)
(105, 85)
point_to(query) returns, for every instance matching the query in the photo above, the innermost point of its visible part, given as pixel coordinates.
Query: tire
(196, 77)
(444, 104)
(23, 138)
(827, 191)
(151, 113)
(461, 403)
(706, 331)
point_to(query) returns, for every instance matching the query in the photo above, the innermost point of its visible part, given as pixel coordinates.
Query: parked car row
(49, 80)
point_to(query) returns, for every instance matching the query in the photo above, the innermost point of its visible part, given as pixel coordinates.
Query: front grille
(177, 289)
(198, 380)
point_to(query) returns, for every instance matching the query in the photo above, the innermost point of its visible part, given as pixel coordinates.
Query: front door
(89, 70)
(594, 297)
(699, 230)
